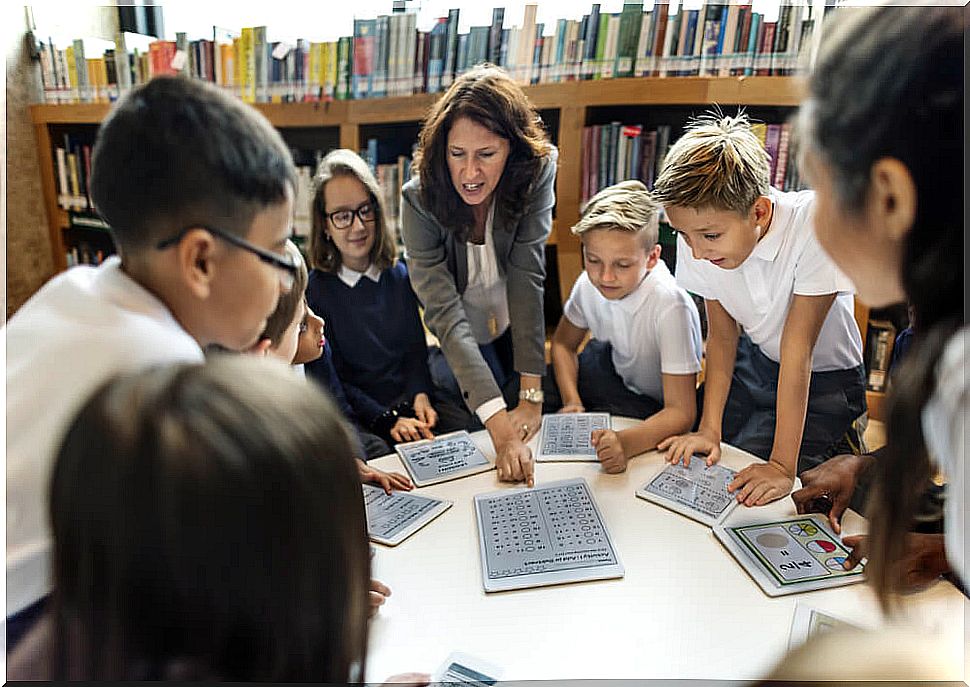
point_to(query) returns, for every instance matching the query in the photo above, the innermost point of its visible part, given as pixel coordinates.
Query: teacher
(475, 220)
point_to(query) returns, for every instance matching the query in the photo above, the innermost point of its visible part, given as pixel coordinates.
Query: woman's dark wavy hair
(888, 82)
(208, 525)
(488, 96)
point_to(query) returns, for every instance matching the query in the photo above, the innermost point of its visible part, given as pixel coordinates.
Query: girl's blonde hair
(627, 206)
(323, 252)
(718, 163)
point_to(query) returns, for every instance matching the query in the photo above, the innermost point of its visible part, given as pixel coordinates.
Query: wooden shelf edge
(876, 403)
(781, 91)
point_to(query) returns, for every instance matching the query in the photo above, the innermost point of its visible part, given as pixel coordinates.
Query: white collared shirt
(944, 420)
(351, 277)
(653, 330)
(82, 327)
(786, 262)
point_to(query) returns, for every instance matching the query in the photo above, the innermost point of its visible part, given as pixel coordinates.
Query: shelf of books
(613, 91)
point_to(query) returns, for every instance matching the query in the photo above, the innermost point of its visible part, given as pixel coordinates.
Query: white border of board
(803, 628)
(457, 474)
(440, 507)
(681, 508)
(603, 572)
(559, 457)
(754, 568)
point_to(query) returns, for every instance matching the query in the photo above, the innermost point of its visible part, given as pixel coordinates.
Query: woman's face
(859, 243)
(476, 160)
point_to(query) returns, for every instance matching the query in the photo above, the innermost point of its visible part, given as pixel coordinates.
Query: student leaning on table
(789, 387)
(475, 220)
(645, 352)
(207, 525)
(888, 173)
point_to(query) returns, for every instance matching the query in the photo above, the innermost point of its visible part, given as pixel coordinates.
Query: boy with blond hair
(784, 377)
(644, 355)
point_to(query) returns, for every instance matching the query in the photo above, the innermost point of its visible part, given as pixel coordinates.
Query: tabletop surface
(684, 609)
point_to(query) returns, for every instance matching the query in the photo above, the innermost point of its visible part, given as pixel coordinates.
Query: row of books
(879, 348)
(72, 161)
(85, 254)
(389, 56)
(615, 152)
(390, 178)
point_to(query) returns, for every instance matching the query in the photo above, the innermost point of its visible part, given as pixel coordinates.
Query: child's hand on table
(682, 446)
(387, 480)
(424, 411)
(409, 429)
(609, 450)
(761, 483)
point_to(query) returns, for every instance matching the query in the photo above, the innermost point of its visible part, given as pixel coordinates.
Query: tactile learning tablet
(445, 457)
(697, 491)
(392, 518)
(566, 436)
(790, 556)
(549, 534)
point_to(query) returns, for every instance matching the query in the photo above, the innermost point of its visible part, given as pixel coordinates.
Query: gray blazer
(438, 265)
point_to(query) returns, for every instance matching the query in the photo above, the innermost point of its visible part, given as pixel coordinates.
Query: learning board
(445, 457)
(808, 622)
(566, 436)
(464, 669)
(550, 534)
(789, 556)
(698, 491)
(392, 518)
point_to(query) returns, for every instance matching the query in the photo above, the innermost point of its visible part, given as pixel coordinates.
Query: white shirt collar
(768, 247)
(351, 277)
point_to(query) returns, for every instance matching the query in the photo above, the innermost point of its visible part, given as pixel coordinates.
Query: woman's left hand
(526, 418)
(424, 411)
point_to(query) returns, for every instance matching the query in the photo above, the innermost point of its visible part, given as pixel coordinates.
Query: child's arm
(565, 362)
(763, 483)
(722, 347)
(614, 449)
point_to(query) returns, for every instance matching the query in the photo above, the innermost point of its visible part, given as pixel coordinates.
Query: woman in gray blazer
(475, 220)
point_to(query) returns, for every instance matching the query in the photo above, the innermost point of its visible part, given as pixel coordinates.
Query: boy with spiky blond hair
(784, 377)
(645, 352)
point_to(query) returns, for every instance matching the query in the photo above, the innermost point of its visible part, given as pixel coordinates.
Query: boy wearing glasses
(198, 190)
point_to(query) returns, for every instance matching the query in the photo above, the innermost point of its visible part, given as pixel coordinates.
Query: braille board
(392, 518)
(697, 491)
(566, 436)
(789, 556)
(550, 534)
(445, 457)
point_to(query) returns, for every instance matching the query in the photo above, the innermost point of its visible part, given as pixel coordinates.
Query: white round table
(685, 609)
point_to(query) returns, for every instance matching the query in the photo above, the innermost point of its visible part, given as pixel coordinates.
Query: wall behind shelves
(28, 259)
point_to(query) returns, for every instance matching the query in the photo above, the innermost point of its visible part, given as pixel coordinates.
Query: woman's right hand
(682, 446)
(514, 462)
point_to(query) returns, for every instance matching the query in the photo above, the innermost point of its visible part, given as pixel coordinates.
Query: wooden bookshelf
(572, 101)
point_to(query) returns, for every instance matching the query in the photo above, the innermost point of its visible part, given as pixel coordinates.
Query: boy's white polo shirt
(787, 261)
(654, 329)
(81, 328)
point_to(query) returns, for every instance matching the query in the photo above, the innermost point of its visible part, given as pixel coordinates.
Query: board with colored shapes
(790, 556)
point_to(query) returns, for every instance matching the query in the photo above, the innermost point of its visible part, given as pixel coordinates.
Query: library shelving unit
(566, 108)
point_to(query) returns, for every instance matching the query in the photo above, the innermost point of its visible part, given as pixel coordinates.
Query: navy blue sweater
(374, 330)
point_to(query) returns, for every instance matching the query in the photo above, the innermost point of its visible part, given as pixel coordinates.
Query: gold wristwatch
(531, 395)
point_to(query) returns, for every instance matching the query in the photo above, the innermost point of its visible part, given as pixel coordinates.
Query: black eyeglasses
(285, 264)
(342, 219)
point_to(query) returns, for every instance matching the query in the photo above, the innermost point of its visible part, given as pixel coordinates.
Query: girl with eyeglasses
(363, 293)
